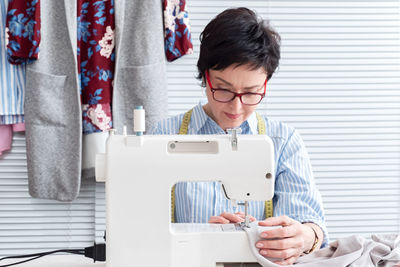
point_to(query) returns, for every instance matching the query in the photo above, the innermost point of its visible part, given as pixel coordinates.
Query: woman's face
(238, 79)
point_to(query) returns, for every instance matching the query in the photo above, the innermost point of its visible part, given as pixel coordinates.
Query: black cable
(35, 256)
(19, 262)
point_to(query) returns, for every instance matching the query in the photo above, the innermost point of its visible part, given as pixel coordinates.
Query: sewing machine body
(140, 171)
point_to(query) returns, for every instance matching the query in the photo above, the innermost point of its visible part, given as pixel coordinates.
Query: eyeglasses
(225, 95)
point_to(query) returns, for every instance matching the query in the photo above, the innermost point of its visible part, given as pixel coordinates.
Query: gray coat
(52, 102)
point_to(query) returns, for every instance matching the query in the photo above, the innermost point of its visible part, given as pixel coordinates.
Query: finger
(232, 217)
(241, 214)
(285, 243)
(280, 253)
(218, 219)
(283, 232)
(288, 261)
(273, 221)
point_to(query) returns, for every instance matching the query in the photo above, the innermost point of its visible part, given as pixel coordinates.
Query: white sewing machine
(140, 171)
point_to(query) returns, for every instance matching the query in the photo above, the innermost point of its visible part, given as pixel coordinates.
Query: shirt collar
(201, 118)
(250, 125)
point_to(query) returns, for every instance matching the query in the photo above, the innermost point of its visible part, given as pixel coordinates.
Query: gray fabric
(52, 101)
(355, 251)
(52, 111)
(352, 251)
(141, 76)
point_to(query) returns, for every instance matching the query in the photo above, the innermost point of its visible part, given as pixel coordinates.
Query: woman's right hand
(227, 217)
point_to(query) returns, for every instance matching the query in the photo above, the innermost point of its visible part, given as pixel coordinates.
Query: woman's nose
(236, 103)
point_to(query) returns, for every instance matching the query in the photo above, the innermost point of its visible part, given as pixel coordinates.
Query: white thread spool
(139, 124)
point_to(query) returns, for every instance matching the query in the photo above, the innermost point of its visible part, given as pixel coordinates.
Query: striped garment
(296, 194)
(12, 79)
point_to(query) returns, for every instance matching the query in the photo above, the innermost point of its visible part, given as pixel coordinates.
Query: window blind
(29, 225)
(338, 83)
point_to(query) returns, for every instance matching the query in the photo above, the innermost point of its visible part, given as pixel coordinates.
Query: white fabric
(253, 235)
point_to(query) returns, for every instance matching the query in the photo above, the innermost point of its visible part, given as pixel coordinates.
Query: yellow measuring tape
(269, 211)
(184, 129)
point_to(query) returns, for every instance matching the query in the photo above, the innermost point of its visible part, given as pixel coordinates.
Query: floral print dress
(96, 63)
(178, 40)
(23, 31)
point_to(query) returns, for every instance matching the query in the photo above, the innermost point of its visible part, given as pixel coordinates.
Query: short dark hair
(238, 36)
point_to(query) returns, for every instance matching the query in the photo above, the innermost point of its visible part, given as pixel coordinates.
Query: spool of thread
(139, 124)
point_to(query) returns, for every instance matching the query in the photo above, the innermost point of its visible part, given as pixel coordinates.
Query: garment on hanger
(96, 63)
(12, 77)
(53, 112)
(178, 40)
(23, 25)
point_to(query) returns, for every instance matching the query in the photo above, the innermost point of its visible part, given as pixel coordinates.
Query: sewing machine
(140, 171)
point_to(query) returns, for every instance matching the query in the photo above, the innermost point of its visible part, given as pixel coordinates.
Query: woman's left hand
(288, 242)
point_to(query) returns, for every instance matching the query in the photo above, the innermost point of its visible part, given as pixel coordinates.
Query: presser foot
(245, 224)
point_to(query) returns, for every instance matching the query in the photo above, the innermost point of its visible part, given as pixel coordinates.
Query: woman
(238, 55)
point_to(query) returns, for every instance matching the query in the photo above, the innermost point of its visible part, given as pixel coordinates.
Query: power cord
(97, 252)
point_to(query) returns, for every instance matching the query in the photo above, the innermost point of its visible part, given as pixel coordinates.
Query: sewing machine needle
(246, 216)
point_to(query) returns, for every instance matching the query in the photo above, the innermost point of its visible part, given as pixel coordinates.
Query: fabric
(351, 251)
(140, 77)
(96, 63)
(52, 107)
(23, 25)
(5, 138)
(356, 251)
(178, 40)
(53, 110)
(19, 127)
(6, 133)
(10, 119)
(295, 192)
(12, 78)
(253, 236)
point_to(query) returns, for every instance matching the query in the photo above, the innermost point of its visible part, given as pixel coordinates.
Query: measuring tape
(184, 129)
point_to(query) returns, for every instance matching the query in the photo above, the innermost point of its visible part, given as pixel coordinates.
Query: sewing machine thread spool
(139, 120)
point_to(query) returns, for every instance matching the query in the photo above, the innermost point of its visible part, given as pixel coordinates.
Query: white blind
(338, 83)
(29, 225)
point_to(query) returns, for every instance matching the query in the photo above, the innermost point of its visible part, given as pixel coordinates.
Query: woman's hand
(227, 217)
(288, 242)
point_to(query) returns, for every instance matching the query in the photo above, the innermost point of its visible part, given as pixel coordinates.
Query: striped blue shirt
(12, 79)
(295, 195)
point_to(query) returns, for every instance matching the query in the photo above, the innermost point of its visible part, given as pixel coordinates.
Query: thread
(139, 124)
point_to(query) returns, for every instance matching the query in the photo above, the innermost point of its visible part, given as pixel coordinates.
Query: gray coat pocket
(45, 99)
